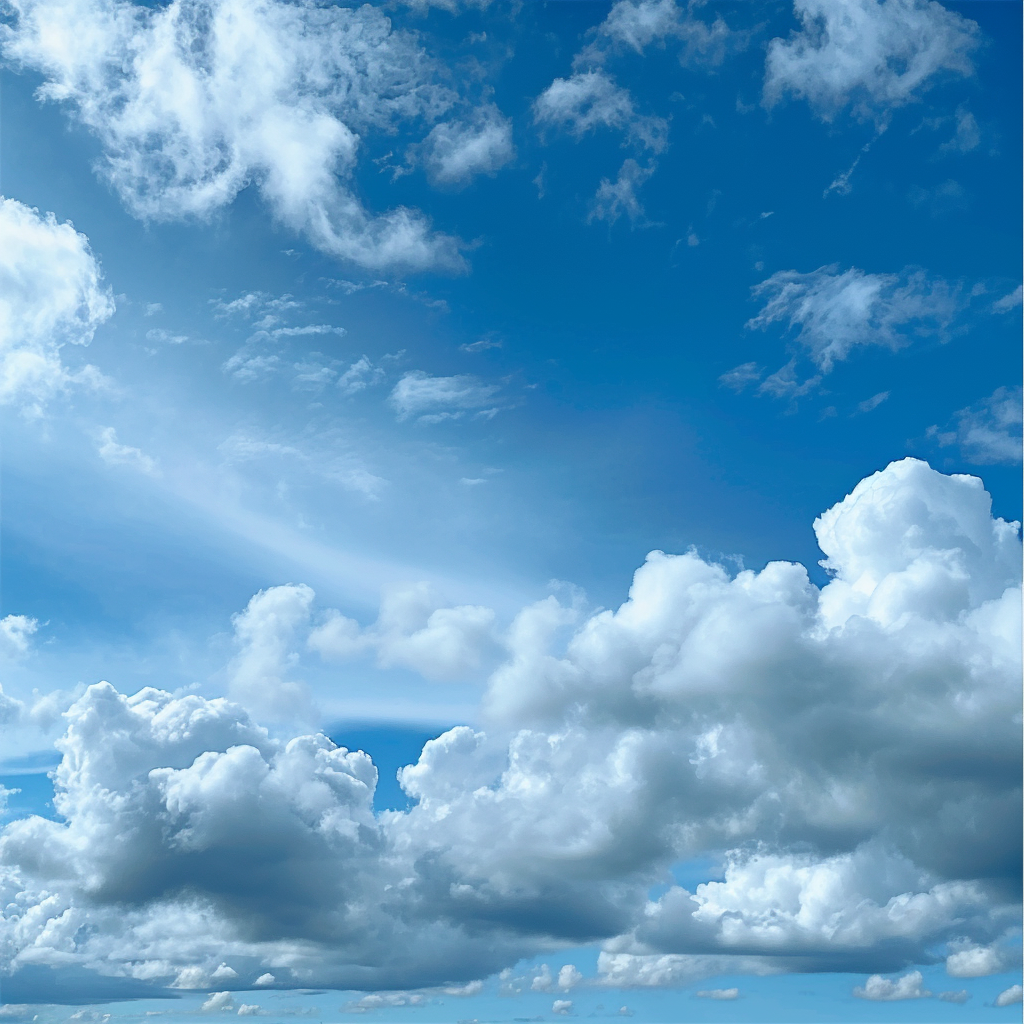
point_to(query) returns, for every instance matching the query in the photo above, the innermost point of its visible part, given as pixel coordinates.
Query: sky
(510, 511)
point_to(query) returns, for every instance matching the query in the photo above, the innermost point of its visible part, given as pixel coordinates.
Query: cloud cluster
(196, 100)
(850, 753)
(873, 55)
(51, 295)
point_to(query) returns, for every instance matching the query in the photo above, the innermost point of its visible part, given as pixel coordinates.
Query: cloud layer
(851, 751)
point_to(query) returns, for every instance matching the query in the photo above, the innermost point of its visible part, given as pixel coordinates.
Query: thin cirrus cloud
(988, 432)
(51, 295)
(612, 745)
(187, 119)
(869, 55)
(831, 312)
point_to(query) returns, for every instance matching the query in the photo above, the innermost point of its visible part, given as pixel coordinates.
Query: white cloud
(218, 1002)
(383, 1001)
(740, 376)
(415, 630)
(670, 970)
(561, 1007)
(719, 993)
(568, 977)
(1010, 996)
(977, 962)
(592, 99)
(885, 990)
(265, 979)
(51, 296)
(613, 199)
(265, 634)
(360, 375)
(249, 1010)
(989, 431)
(958, 997)
(875, 55)
(116, 454)
(799, 729)
(872, 403)
(16, 633)
(158, 334)
(193, 101)
(636, 24)
(431, 399)
(834, 312)
(966, 137)
(455, 152)
(1009, 301)
(471, 988)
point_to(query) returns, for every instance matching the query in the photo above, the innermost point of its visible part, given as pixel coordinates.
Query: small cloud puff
(885, 990)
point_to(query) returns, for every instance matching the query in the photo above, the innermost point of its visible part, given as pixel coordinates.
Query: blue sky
(353, 361)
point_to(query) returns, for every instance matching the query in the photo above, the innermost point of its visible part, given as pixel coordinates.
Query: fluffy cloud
(853, 749)
(1011, 996)
(51, 295)
(265, 634)
(193, 101)
(833, 312)
(977, 962)
(885, 990)
(433, 399)
(413, 629)
(455, 152)
(989, 431)
(872, 54)
(16, 634)
(592, 99)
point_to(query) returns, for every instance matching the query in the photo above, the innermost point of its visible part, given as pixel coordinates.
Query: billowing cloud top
(851, 752)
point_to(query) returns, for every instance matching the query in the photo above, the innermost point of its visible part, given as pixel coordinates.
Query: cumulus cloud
(16, 633)
(872, 55)
(433, 399)
(885, 990)
(1010, 996)
(977, 962)
(592, 99)
(989, 431)
(51, 295)
(854, 749)
(561, 1007)
(413, 629)
(193, 101)
(265, 635)
(455, 152)
(833, 312)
